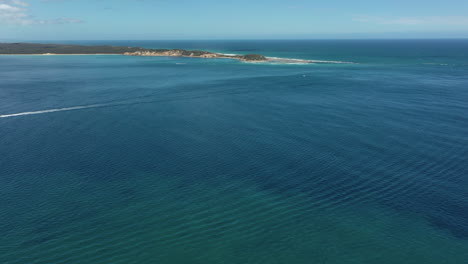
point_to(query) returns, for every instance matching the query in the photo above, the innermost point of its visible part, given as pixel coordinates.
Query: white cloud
(10, 8)
(412, 21)
(20, 3)
(16, 12)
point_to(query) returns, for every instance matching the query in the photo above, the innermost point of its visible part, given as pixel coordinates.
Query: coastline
(58, 54)
(196, 54)
(222, 56)
(272, 60)
(37, 49)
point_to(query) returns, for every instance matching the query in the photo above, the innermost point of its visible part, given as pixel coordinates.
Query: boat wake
(145, 99)
(56, 110)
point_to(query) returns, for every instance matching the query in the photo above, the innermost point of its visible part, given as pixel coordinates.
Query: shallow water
(187, 160)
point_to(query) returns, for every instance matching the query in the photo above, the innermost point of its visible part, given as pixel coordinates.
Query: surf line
(56, 110)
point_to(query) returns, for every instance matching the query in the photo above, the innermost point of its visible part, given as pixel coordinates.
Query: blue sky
(234, 19)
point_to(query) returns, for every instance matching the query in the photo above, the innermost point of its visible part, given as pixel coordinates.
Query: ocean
(119, 159)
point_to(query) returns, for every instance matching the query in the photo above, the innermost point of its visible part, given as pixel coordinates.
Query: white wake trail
(55, 110)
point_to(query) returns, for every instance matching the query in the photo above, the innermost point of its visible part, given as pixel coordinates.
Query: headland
(62, 49)
(65, 49)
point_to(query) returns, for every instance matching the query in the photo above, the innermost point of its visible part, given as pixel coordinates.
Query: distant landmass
(64, 49)
(61, 49)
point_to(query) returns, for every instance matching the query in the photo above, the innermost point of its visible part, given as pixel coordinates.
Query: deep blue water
(187, 160)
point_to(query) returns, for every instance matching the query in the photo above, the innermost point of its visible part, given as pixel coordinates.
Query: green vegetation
(254, 57)
(194, 53)
(32, 48)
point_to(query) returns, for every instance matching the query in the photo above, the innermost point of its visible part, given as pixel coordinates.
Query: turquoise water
(187, 160)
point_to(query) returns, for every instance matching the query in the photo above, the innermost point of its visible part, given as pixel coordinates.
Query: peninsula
(61, 49)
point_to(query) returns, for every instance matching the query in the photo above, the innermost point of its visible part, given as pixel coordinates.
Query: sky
(231, 19)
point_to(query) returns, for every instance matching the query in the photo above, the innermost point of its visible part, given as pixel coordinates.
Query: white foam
(301, 61)
(55, 110)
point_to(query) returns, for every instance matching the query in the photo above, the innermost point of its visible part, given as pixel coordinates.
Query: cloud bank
(16, 12)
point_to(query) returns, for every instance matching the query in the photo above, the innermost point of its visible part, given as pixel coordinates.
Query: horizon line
(239, 39)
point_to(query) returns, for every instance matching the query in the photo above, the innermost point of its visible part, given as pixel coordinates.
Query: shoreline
(59, 54)
(274, 60)
(196, 54)
(36, 49)
(222, 56)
